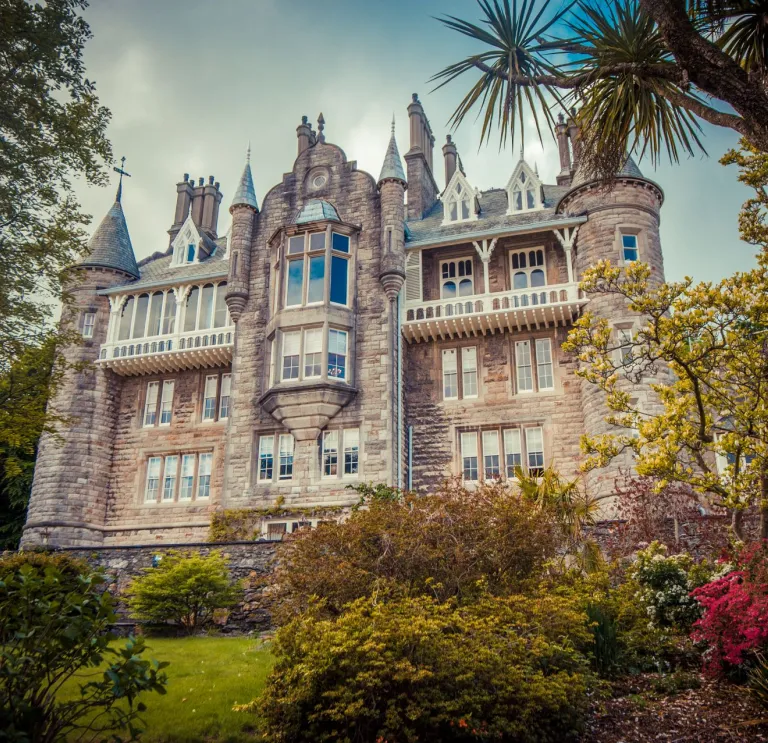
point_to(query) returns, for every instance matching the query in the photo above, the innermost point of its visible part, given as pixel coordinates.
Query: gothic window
(458, 200)
(529, 268)
(456, 278)
(185, 244)
(317, 269)
(523, 190)
(206, 308)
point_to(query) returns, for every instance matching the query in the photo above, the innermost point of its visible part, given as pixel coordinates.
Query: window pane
(450, 375)
(453, 214)
(316, 288)
(544, 363)
(88, 322)
(153, 479)
(517, 199)
(523, 358)
(191, 253)
(469, 371)
(206, 307)
(520, 281)
(204, 476)
(190, 312)
(449, 290)
(286, 456)
(340, 242)
(156, 307)
(531, 198)
(629, 247)
(169, 316)
(317, 241)
(469, 456)
(313, 353)
(266, 462)
(226, 386)
(513, 452)
(150, 405)
(169, 477)
(330, 453)
(295, 282)
(187, 476)
(491, 455)
(339, 268)
(220, 312)
(465, 209)
(209, 398)
(538, 278)
(337, 354)
(166, 403)
(351, 451)
(465, 287)
(141, 316)
(534, 443)
(296, 245)
(291, 355)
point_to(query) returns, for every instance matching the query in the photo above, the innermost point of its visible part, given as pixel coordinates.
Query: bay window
(266, 458)
(303, 352)
(313, 353)
(337, 354)
(317, 269)
(291, 349)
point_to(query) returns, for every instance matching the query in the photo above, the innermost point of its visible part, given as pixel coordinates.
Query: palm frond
(744, 34)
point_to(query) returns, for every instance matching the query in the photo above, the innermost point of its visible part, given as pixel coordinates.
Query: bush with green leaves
(415, 669)
(184, 589)
(54, 619)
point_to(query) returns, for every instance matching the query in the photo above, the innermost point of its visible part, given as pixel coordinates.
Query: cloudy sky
(190, 82)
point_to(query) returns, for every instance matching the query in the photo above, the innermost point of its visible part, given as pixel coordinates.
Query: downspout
(399, 425)
(410, 458)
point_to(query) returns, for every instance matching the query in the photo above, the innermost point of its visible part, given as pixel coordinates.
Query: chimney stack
(450, 156)
(574, 132)
(422, 189)
(184, 191)
(561, 132)
(304, 134)
(198, 197)
(211, 200)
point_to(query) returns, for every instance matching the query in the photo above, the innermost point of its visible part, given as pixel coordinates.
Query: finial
(248, 153)
(536, 168)
(122, 172)
(522, 153)
(393, 123)
(320, 128)
(561, 118)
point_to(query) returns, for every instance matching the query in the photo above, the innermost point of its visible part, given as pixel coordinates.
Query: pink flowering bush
(734, 622)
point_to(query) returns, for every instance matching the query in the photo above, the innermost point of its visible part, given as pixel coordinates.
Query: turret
(623, 226)
(243, 209)
(68, 501)
(392, 185)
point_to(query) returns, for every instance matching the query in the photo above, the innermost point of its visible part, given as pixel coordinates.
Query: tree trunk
(737, 523)
(763, 506)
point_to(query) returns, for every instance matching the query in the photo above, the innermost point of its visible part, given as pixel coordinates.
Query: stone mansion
(346, 329)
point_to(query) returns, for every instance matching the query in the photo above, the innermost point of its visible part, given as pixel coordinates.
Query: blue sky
(189, 84)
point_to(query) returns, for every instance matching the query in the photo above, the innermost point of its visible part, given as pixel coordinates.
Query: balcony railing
(196, 349)
(479, 314)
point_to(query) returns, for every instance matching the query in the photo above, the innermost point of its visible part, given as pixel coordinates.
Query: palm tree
(642, 73)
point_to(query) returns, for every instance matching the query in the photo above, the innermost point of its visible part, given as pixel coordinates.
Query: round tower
(622, 225)
(69, 493)
(243, 209)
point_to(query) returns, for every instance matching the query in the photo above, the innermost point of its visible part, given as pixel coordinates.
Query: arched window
(169, 316)
(220, 311)
(155, 311)
(124, 331)
(524, 190)
(528, 268)
(456, 278)
(458, 200)
(140, 321)
(206, 307)
(190, 311)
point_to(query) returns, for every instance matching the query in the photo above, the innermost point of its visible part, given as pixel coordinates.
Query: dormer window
(524, 190)
(185, 244)
(458, 200)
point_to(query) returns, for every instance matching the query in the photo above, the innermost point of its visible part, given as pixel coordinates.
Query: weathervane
(122, 172)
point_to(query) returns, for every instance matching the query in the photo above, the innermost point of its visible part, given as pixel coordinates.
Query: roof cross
(122, 172)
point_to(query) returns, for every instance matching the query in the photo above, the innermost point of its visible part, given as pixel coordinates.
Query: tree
(52, 130)
(185, 589)
(54, 619)
(644, 73)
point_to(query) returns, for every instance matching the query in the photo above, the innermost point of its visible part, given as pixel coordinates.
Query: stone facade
(345, 330)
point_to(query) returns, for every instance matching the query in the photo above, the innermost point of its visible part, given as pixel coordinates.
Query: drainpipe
(399, 392)
(410, 458)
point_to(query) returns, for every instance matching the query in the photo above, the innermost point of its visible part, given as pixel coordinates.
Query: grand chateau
(346, 329)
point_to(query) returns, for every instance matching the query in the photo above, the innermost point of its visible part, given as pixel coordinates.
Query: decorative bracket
(485, 251)
(567, 238)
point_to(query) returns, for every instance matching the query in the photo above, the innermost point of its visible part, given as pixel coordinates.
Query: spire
(245, 194)
(122, 172)
(393, 166)
(110, 246)
(320, 128)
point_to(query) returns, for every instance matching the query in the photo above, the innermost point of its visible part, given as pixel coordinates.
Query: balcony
(480, 314)
(198, 349)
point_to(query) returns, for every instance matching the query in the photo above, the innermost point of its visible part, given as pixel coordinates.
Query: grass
(206, 676)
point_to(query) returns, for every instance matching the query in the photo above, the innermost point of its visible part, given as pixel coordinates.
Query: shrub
(734, 623)
(184, 589)
(54, 617)
(417, 669)
(758, 680)
(440, 545)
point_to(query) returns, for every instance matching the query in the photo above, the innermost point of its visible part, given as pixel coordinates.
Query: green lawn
(206, 676)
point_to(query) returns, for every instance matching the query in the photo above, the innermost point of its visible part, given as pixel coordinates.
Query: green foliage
(244, 524)
(416, 669)
(668, 684)
(54, 621)
(758, 680)
(443, 545)
(184, 589)
(605, 634)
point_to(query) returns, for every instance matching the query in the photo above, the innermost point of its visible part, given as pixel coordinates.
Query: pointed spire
(393, 166)
(320, 128)
(122, 172)
(110, 245)
(245, 195)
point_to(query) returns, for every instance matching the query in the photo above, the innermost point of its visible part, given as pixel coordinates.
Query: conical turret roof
(110, 246)
(245, 194)
(628, 170)
(393, 166)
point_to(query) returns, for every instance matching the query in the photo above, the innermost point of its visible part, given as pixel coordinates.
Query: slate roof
(492, 218)
(245, 192)
(110, 246)
(316, 210)
(393, 166)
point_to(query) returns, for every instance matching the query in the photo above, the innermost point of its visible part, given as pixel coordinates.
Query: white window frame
(313, 339)
(529, 451)
(528, 269)
(351, 467)
(345, 356)
(171, 460)
(625, 338)
(513, 451)
(209, 410)
(153, 479)
(524, 381)
(204, 470)
(266, 472)
(469, 373)
(225, 394)
(290, 342)
(286, 448)
(545, 367)
(635, 235)
(166, 403)
(89, 323)
(149, 419)
(491, 455)
(330, 454)
(187, 481)
(459, 193)
(460, 264)
(468, 444)
(450, 368)
(523, 179)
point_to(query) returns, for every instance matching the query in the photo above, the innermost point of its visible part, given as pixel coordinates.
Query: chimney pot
(216, 185)
(186, 177)
(201, 182)
(210, 180)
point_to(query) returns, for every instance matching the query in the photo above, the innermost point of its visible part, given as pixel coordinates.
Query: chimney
(561, 132)
(211, 198)
(449, 155)
(574, 132)
(198, 196)
(183, 200)
(422, 189)
(304, 134)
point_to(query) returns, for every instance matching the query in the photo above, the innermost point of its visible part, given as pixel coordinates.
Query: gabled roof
(317, 210)
(110, 246)
(393, 166)
(190, 232)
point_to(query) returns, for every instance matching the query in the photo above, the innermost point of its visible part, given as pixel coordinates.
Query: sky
(191, 82)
